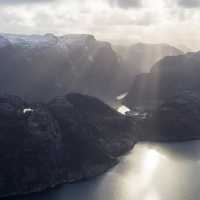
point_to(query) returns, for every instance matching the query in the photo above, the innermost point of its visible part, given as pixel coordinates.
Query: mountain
(167, 78)
(39, 67)
(140, 57)
(68, 139)
(4, 42)
(176, 120)
(77, 137)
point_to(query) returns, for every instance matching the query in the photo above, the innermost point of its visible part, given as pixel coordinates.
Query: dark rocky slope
(170, 76)
(69, 139)
(175, 120)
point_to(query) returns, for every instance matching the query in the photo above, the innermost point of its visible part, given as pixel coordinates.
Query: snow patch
(31, 40)
(27, 110)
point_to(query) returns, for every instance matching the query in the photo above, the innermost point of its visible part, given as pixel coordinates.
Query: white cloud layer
(159, 21)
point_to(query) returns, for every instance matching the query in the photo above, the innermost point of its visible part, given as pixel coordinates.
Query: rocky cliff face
(167, 78)
(175, 120)
(71, 138)
(38, 68)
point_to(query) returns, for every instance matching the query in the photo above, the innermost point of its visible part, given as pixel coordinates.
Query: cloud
(189, 3)
(15, 2)
(163, 21)
(126, 3)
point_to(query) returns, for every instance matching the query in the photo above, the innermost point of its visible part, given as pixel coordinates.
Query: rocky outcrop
(112, 130)
(71, 138)
(175, 120)
(167, 78)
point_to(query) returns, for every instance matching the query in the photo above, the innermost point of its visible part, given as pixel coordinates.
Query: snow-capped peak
(31, 40)
(48, 40)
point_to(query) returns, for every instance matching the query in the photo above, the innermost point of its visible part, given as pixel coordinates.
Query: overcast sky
(128, 21)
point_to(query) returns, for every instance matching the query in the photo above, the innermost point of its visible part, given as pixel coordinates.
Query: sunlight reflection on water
(151, 171)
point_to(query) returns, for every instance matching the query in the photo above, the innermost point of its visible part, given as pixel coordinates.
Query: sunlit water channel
(151, 171)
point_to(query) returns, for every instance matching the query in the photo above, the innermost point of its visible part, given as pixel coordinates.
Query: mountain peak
(4, 42)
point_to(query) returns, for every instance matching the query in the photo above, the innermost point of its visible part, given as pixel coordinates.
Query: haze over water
(152, 171)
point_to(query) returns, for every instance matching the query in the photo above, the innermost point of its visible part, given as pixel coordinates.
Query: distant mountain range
(40, 67)
(142, 56)
(139, 58)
